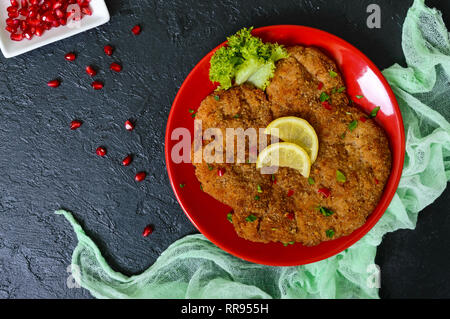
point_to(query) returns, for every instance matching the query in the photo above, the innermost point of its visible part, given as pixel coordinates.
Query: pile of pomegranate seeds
(33, 17)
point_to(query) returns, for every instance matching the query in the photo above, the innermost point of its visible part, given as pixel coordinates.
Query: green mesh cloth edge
(193, 267)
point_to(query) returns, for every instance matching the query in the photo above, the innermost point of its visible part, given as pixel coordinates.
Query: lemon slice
(295, 130)
(285, 155)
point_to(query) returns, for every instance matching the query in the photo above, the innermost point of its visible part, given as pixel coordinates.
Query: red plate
(209, 216)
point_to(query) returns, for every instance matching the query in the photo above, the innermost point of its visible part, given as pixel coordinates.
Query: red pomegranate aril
(14, 3)
(33, 12)
(290, 216)
(221, 171)
(320, 86)
(28, 35)
(363, 118)
(140, 176)
(54, 83)
(127, 160)
(16, 36)
(12, 22)
(24, 3)
(12, 9)
(101, 151)
(324, 191)
(70, 56)
(290, 193)
(115, 67)
(13, 14)
(129, 126)
(11, 29)
(39, 31)
(108, 50)
(91, 71)
(97, 85)
(136, 29)
(86, 11)
(75, 124)
(327, 105)
(147, 231)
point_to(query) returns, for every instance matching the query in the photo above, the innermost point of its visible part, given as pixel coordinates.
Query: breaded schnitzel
(285, 206)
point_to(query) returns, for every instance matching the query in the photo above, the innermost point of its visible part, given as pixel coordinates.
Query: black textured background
(45, 166)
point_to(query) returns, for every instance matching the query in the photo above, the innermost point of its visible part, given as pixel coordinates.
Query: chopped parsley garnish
(353, 125)
(343, 135)
(216, 97)
(311, 181)
(333, 74)
(273, 178)
(340, 177)
(374, 112)
(201, 187)
(237, 116)
(182, 185)
(348, 113)
(341, 89)
(359, 96)
(230, 217)
(193, 115)
(330, 233)
(259, 189)
(251, 218)
(191, 111)
(325, 211)
(257, 197)
(324, 97)
(210, 167)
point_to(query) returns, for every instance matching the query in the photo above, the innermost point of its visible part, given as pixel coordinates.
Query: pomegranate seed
(91, 71)
(290, 216)
(108, 50)
(75, 124)
(16, 36)
(363, 118)
(136, 29)
(140, 176)
(290, 193)
(127, 160)
(70, 56)
(27, 34)
(101, 151)
(97, 85)
(221, 171)
(377, 181)
(147, 230)
(115, 67)
(86, 11)
(54, 83)
(327, 105)
(12, 22)
(11, 29)
(14, 3)
(324, 191)
(129, 126)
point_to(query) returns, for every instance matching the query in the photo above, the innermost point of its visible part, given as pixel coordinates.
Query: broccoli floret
(245, 59)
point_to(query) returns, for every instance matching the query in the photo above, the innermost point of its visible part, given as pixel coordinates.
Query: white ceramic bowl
(10, 48)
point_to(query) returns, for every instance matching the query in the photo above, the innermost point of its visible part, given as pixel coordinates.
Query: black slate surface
(45, 166)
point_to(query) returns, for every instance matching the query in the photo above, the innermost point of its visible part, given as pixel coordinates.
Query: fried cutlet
(285, 206)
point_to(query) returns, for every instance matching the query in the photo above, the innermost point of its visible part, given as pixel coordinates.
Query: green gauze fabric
(195, 268)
